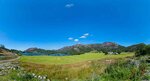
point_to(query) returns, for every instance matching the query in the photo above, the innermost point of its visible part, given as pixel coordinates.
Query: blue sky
(52, 24)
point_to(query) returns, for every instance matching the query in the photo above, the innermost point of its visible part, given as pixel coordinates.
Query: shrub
(124, 71)
(144, 51)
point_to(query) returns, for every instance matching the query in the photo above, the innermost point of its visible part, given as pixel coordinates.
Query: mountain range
(84, 48)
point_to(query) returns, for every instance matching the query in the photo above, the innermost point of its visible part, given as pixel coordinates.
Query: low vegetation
(143, 51)
(123, 69)
(130, 70)
(7, 57)
(70, 59)
(79, 67)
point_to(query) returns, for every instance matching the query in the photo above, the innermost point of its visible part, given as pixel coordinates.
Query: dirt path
(10, 60)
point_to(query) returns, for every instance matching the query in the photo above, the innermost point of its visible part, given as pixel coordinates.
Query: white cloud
(69, 5)
(70, 38)
(76, 40)
(83, 37)
(86, 34)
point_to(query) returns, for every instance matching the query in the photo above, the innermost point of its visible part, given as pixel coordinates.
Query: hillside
(38, 51)
(5, 52)
(85, 48)
(77, 49)
(104, 47)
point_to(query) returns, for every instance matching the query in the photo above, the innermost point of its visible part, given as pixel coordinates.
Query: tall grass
(84, 67)
(99, 70)
(125, 71)
(7, 57)
(85, 71)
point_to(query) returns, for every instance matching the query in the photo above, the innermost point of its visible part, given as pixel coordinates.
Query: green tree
(143, 51)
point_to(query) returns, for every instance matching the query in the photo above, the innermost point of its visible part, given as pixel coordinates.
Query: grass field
(86, 67)
(83, 67)
(70, 59)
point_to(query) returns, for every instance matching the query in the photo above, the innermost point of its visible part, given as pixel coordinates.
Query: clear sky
(52, 24)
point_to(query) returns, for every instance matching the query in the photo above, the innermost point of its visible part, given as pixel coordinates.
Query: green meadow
(84, 67)
(71, 59)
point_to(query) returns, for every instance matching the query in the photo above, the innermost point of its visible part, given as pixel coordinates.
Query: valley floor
(86, 67)
(71, 59)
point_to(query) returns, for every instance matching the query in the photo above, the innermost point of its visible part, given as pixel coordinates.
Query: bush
(144, 51)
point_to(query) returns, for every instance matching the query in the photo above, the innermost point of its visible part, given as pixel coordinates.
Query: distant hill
(135, 47)
(80, 48)
(75, 49)
(38, 51)
(104, 47)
